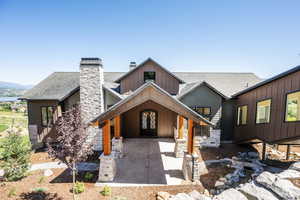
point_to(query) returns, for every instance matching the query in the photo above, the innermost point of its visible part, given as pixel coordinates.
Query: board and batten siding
(136, 79)
(277, 130)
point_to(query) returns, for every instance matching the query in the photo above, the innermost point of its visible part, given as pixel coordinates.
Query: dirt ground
(224, 151)
(59, 185)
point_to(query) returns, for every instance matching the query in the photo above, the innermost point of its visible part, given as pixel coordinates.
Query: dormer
(147, 71)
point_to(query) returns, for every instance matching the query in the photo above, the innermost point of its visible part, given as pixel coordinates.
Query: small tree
(71, 145)
(14, 156)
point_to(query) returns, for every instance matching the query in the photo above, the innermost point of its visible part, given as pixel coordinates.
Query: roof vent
(132, 65)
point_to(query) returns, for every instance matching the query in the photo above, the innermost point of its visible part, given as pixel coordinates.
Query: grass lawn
(9, 119)
(3, 127)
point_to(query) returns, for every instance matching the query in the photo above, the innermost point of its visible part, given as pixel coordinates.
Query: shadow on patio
(149, 161)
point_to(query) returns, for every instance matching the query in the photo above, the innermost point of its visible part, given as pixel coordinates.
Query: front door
(148, 121)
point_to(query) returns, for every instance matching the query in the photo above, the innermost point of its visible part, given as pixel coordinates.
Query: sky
(40, 37)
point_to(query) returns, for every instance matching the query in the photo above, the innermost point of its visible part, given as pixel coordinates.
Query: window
(47, 115)
(204, 111)
(242, 115)
(263, 110)
(292, 112)
(149, 76)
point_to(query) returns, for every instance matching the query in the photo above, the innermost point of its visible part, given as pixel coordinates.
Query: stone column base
(191, 167)
(107, 169)
(117, 147)
(180, 148)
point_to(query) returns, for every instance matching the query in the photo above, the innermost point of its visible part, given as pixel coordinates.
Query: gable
(150, 91)
(202, 96)
(163, 78)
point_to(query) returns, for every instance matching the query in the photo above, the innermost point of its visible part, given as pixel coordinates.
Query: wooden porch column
(106, 138)
(190, 147)
(117, 127)
(180, 127)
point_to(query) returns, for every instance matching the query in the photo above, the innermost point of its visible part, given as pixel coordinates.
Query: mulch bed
(59, 185)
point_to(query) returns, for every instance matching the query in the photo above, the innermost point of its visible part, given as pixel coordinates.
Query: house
(270, 111)
(194, 108)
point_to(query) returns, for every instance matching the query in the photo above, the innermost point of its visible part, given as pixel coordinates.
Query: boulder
(182, 196)
(295, 166)
(255, 192)
(197, 196)
(2, 173)
(48, 172)
(163, 196)
(230, 194)
(289, 173)
(282, 187)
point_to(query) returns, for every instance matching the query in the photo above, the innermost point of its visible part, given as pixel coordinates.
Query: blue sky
(40, 37)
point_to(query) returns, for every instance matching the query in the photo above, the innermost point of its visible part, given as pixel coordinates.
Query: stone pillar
(107, 169)
(117, 147)
(180, 147)
(34, 137)
(191, 167)
(91, 97)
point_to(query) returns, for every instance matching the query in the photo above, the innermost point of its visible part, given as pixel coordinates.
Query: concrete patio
(148, 161)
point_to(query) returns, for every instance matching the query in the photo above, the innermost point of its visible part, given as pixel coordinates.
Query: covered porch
(165, 119)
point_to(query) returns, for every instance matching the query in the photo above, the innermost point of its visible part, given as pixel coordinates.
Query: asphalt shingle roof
(60, 85)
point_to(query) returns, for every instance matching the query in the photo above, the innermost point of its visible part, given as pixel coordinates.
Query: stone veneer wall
(91, 96)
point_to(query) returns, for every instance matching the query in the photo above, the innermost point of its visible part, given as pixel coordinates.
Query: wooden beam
(95, 124)
(202, 123)
(288, 149)
(117, 127)
(180, 127)
(190, 136)
(106, 138)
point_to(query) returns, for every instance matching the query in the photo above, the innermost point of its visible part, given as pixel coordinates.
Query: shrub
(88, 176)
(12, 192)
(79, 187)
(106, 191)
(39, 189)
(15, 154)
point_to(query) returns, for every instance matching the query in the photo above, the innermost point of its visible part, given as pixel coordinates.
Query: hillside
(8, 89)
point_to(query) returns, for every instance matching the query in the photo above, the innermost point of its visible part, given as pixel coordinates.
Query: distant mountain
(8, 89)
(9, 85)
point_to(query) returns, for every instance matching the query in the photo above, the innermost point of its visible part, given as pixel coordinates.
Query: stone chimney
(132, 65)
(91, 96)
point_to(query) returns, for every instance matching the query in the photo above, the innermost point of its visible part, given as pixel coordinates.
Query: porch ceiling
(151, 91)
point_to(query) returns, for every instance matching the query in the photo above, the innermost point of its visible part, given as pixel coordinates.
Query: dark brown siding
(35, 116)
(277, 129)
(163, 79)
(166, 120)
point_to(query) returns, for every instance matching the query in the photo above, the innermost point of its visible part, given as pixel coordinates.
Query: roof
(283, 74)
(227, 83)
(60, 85)
(192, 86)
(140, 65)
(142, 88)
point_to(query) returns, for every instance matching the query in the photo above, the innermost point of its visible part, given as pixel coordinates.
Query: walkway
(149, 161)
